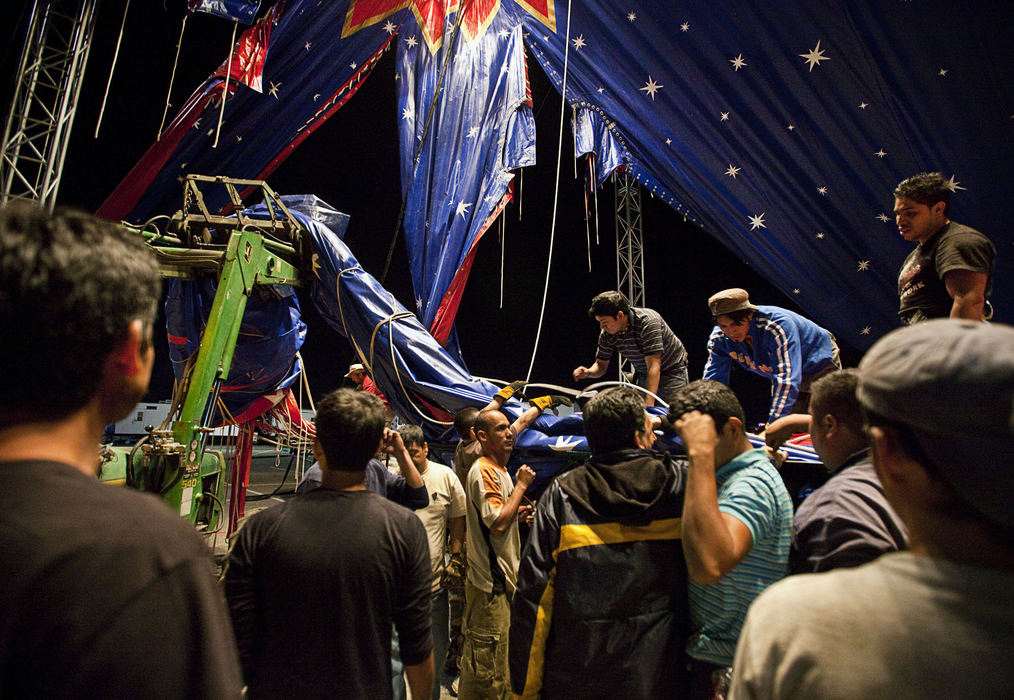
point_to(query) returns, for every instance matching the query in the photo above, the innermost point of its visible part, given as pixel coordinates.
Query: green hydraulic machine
(258, 253)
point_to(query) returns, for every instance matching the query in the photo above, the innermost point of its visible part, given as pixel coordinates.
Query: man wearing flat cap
(938, 620)
(775, 343)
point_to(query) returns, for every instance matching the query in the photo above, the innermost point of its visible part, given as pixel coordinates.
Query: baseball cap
(952, 383)
(356, 367)
(729, 300)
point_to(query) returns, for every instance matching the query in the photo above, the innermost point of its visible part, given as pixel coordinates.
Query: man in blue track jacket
(601, 604)
(775, 343)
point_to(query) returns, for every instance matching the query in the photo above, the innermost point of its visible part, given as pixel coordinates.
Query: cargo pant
(484, 671)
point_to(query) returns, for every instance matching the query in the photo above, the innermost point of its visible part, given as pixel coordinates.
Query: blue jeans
(440, 625)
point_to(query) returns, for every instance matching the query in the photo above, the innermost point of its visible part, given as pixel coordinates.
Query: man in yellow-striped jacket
(600, 608)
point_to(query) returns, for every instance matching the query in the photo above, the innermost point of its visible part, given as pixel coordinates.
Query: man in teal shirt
(737, 525)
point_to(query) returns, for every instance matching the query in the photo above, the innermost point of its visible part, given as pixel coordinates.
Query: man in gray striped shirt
(643, 338)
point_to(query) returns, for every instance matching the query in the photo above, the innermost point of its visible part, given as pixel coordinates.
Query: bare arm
(509, 510)
(597, 369)
(525, 420)
(780, 430)
(393, 445)
(713, 542)
(654, 363)
(420, 678)
(456, 527)
(968, 290)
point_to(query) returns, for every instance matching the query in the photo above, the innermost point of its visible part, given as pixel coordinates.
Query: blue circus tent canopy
(780, 129)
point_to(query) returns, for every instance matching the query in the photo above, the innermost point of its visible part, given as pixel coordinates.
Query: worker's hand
(777, 457)
(454, 573)
(393, 444)
(551, 401)
(780, 430)
(515, 389)
(696, 430)
(526, 513)
(580, 373)
(526, 475)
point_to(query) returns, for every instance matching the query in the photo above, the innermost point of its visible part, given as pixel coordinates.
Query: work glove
(513, 389)
(454, 573)
(551, 401)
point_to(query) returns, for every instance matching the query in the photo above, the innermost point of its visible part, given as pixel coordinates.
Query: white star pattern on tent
(814, 57)
(757, 222)
(411, 41)
(685, 27)
(408, 113)
(820, 235)
(864, 265)
(389, 27)
(880, 153)
(273, 90)
(884, 217)
(307, 46)
(822, 191)
(732, 171)
(631, 16)
(472, 133)
(651, 87)
(737, 62)
(462, 209)
(578, 42)
(953, 185)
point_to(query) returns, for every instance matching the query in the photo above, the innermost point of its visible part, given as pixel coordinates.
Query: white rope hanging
(109, 81)
(172, 77)
(225, 85)
(556, 192)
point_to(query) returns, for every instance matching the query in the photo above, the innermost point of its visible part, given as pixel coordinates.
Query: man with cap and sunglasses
(937, 620)
(775, 343)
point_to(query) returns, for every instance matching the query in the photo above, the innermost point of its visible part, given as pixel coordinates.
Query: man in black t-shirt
(950, 273)
(315, 583)
(107, 593)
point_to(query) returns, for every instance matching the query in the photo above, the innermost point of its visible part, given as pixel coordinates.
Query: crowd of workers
(642, 575)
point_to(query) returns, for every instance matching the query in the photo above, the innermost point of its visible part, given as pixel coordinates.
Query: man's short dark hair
(411, 434)
(925, 188)
(612, 418)
(710, 397)
(350, 425)
(736, 317)
(609, 304)
(464, 421)
(70, 285)
(835, 393)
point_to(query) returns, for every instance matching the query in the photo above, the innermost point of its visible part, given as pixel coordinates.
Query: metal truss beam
(57, 42)
(629, 246)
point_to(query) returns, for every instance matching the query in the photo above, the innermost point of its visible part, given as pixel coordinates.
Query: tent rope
(556, 193)
(225, 85)
(172, 77)
(109, 81)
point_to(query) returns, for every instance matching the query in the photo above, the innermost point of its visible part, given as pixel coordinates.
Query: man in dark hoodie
(600, 606)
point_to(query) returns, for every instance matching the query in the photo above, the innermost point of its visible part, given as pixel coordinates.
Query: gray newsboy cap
(952, 383)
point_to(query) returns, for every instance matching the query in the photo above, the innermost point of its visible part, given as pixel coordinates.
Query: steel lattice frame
(57, 43)
(629, 246)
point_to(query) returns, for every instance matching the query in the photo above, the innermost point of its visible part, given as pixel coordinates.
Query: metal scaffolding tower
(49, 79)
(629, 246)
